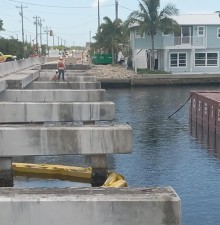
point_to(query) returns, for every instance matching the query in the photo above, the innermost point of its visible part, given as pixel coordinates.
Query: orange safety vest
(60, 65)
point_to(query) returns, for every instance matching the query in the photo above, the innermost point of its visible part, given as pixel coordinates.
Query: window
(200, 59)
(201, 31)
(218, 32)
(178, 60)
(206, 59)
(182, 59)
(212, 59)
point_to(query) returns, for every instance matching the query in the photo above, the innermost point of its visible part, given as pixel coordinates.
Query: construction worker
(61, 67)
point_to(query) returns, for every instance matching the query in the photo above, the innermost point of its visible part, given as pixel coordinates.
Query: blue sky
(74, 21)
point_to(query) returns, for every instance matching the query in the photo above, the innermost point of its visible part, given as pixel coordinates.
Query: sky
(75, 22)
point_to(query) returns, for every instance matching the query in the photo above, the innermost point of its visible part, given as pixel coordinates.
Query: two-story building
(196, 49)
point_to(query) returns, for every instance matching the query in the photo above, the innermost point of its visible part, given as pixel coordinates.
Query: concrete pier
(6, 173)
(99, 170)
(2, 85)
(89, 206)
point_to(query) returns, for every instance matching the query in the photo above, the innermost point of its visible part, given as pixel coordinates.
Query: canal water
(165, 153)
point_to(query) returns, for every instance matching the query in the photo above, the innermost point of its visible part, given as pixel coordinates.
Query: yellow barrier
(114, 179)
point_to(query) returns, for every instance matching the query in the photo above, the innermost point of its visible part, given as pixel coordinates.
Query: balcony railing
(184, 41)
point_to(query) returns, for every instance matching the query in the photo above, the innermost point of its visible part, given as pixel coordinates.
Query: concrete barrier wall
(90, 206)
(14, 66)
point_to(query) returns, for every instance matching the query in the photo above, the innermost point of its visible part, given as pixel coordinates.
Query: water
(164, 152)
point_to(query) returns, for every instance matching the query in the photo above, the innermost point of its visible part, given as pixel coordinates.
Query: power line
(125, 8)
(57, 6)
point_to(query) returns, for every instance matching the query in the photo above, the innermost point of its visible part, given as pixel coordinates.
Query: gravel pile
(109, 71)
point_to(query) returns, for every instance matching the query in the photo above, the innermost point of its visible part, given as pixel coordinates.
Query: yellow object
(114, 179)
(69, 171)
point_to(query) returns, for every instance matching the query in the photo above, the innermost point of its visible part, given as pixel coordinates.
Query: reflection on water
(207, 139)
(164, 151)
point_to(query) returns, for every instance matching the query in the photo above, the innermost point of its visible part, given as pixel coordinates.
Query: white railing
(190, 41)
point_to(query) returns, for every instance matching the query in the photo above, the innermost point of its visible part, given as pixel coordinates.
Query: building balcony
(184, 42)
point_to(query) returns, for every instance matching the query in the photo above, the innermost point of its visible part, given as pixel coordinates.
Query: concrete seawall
(161, 79)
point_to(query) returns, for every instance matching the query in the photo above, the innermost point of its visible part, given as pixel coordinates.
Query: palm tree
(109, 35)
(151, 20)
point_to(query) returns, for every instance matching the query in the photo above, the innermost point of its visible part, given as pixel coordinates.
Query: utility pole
(40, 24)
(98, 15)
(58, 40)
(116, 9)
(36, 24)
(22, 24)
(47, 40)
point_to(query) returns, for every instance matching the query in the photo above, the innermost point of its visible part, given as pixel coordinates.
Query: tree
(151, 20)
(1, 25)
(108, 36)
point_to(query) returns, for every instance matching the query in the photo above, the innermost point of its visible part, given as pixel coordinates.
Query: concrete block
(6, 172)
(64, 85)
(58, 140)
(2, 85)
(67, 73)
(20, 80)
(21, 112)
(58, 95)
(71, 78)
(88, 206)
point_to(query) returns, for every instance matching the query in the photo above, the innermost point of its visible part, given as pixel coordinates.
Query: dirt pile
(109, 71)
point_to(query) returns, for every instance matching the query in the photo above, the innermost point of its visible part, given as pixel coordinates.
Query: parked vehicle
(7, 58)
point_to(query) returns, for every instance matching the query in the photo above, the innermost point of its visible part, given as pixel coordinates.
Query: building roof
(198, 19)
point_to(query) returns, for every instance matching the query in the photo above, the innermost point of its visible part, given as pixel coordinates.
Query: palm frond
(169, 10)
